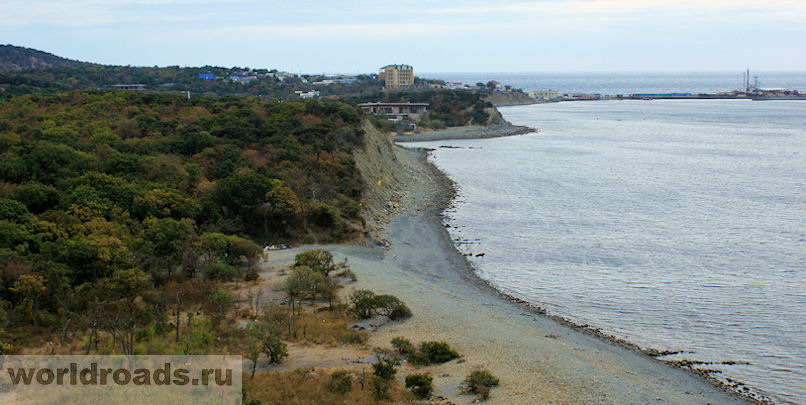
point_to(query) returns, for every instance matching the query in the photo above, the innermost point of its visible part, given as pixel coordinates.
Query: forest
(111, 198)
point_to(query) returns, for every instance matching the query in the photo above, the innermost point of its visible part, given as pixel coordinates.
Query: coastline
(539, 358)
(471, 276)
(688, 366)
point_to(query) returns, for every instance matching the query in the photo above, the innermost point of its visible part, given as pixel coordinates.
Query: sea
(676, 225)
(610, 83)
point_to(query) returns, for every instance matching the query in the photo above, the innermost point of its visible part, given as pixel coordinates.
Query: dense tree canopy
(103, 194)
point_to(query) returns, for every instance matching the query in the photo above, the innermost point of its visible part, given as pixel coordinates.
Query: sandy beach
(539, 361)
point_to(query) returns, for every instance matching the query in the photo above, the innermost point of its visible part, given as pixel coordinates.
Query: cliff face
(397, 180)
(386, 170)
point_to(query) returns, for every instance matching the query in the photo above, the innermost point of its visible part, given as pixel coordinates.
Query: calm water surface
(677, 225)
(631, 82)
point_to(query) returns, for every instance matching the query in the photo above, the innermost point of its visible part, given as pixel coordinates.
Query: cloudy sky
(313, 36)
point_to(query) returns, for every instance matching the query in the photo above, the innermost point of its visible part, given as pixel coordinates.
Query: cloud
(396, 31)
(775, 9)
(88, 13)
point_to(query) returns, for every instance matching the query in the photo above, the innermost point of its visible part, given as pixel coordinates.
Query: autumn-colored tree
(30, 288)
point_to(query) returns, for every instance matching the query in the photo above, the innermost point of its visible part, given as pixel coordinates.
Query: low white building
(307, 94)
(543, 94)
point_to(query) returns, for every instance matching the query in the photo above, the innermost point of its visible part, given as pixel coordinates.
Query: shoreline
(653, 353)
(538, 358)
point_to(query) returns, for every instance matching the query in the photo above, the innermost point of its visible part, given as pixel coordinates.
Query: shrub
(349, 207)
(403, 346)
(380, 387)
(347, 273)
(325, 216)
(391, 307)
(219, 271)
(385, 368)
(432, 353)
(420, 385)
(366, 304)
(251, 274)
(243, 247)
(480, 381)
(340, 382)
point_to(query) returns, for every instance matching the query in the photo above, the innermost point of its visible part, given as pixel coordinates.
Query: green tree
(274, 348)
(129, 285)
(255, 335)
(240, 193)
(166, 237)
(282, 208)
(14, 211)
(218, 304)
(303, 282)
(37, 197)
(317, 259)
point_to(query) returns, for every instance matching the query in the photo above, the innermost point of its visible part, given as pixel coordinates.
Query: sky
(312, 36)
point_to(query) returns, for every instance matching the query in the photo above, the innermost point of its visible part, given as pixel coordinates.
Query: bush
(366, 304)
(251, 274)
(391, 307)
(385, 369)
(380, 387)
(420, 385)
(340, 382)
(325, 216)
(480, 381)
(432, 353)
(219, 271)
(403, 346)
(347, 273)
(243, 247)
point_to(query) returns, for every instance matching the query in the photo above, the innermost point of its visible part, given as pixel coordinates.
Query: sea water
(673, 224)
(612, 83)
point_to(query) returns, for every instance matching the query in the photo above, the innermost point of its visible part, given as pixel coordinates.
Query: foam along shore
(538, 360)
(467, 132)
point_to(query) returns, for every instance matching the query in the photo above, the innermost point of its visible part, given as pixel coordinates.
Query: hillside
(516, 97)
(17, 57)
